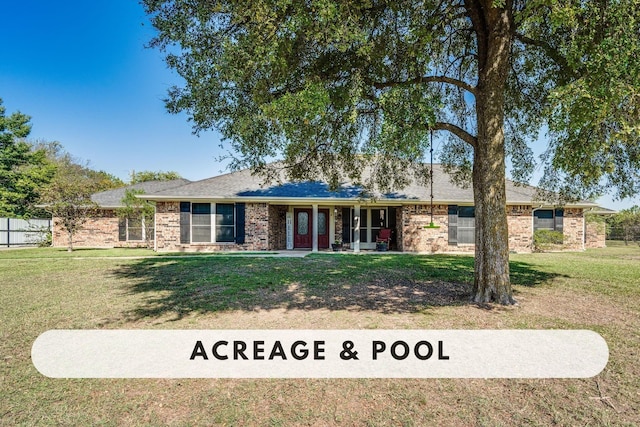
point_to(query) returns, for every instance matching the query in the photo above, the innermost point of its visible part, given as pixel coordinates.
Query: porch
(317, 227)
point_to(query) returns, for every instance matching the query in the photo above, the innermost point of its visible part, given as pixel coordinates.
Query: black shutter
(346, 225)
(185, 222)
(391, 223)
(240, 222)
(122, 229)
(558, 224)
(453, 224)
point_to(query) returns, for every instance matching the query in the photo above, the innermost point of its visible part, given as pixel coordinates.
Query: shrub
(547, 239)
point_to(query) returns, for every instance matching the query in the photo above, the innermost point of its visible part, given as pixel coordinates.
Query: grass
(49, 252)
(597, 289)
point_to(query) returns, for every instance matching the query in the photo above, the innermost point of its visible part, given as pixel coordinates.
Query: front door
(323, 228)
(302, 228)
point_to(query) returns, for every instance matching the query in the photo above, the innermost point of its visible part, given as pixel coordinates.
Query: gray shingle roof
(113, 198)
(244, 185)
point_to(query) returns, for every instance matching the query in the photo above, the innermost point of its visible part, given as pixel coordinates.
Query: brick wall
(277, 227)
(168, 230)
(416, 238)
(256, 227)
(573, 229)
(99, 231)
(168, 226)
(520, 224)
(595, 236)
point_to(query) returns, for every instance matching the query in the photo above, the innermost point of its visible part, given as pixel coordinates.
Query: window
(548, 219)
(201, 222)
(212, 222)
(462, 224)
(322, 223)
(225, 224)
(303, 223)
(133, 229)
(466, 224)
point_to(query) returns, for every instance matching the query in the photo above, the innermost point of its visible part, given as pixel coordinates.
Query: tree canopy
(23, 169)
(332, 86)
(144, 176)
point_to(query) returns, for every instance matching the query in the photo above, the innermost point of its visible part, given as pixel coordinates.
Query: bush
(547, 239)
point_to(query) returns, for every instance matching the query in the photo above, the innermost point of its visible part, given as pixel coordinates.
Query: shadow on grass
(384, 283)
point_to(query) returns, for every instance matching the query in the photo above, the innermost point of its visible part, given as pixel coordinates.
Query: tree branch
(427, 79)
(457, 131)
(553, 53)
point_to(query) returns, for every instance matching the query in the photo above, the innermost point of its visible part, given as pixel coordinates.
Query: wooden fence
(23, 232)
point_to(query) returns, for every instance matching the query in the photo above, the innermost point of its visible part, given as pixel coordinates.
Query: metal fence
(22, 232)
(626, 234)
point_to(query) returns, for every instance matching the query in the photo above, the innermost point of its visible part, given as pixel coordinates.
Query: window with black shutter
(462, 224)
(240, 223)
(185, 222)
(548, 219)
(453, 224)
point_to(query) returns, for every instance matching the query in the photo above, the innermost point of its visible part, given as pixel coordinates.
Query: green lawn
(28, 253)
(42, 289)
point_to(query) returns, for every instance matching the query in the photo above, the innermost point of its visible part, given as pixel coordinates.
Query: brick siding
(416, 238)
(595, 234)
(573, 228)
(168, 230)
(265, 229)
(100, 231)
(520, 224)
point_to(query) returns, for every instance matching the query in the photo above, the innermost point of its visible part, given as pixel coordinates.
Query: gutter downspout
(155, 228)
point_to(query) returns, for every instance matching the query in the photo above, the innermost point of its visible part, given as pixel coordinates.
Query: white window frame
(126, 228)
(212, 223)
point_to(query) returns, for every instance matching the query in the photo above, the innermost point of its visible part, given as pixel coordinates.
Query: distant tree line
(42, 180)
(38, 174)
(625, 225)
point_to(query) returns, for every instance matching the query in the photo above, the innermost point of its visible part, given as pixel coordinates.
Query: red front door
(302, 228)
(323, 228)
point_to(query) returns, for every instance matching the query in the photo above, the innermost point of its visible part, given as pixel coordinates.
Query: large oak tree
(334, 86)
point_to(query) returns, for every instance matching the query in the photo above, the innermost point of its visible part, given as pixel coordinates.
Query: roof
(113, 198)
(244, 185)
(602, 211)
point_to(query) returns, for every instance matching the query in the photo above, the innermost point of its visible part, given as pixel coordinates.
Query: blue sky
(81, 71)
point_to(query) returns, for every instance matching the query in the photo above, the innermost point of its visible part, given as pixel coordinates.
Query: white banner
(320, 353)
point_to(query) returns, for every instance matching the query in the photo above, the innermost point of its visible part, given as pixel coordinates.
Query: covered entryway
(303, 228)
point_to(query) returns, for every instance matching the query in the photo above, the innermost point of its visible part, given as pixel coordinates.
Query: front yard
(41, 289)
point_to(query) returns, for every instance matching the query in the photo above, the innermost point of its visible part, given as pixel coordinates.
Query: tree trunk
(491, 283)
(70, 242)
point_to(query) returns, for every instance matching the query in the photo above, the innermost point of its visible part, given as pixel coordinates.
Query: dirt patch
(399, 296)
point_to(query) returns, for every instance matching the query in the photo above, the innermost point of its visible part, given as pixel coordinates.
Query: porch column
(356, 228)
(314, 233)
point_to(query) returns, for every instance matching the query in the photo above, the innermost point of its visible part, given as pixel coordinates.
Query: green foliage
(68, 196)
(592, 111)
(145, 176)
(320, 83)
(335, 88)
(145, 210)
(23, 168)
(547, 239)
(625, 225)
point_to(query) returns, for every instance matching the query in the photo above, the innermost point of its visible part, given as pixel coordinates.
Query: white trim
(356, 228)
(212, 224)
(341, 201)
(155, 228)
(314, 228)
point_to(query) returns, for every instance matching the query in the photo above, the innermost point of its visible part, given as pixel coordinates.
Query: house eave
(344, 201)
